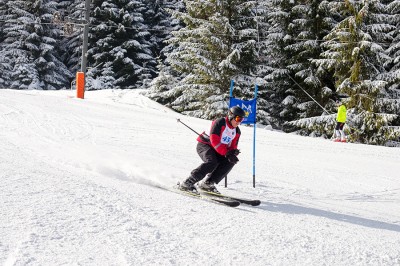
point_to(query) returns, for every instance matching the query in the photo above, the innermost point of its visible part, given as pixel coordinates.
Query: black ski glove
(232, 158)
(234, 152)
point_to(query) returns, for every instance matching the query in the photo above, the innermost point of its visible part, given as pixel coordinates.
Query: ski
(210, 198)
(251, 202)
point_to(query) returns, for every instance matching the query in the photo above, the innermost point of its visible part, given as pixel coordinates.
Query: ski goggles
(238, 118)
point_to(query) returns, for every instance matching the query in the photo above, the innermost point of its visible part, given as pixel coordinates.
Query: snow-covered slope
(78, 188)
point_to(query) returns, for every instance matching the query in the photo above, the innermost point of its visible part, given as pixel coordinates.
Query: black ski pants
(214, 164)
(339, 126)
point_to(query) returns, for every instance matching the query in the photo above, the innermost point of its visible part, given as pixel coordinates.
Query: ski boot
(188, 185)
(208, 187)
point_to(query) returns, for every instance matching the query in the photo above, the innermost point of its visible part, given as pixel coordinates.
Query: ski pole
(179, 121)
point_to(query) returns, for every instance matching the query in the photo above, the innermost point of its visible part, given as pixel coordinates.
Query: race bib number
(228, 135)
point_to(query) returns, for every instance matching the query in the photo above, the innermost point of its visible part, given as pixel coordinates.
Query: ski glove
(234, 152)
(232, 158)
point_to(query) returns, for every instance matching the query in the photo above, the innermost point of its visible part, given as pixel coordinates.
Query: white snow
(78, 188)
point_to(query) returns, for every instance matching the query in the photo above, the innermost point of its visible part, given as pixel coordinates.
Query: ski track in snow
(79, 184)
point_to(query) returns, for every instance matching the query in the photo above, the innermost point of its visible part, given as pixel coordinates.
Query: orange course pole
(80, 85)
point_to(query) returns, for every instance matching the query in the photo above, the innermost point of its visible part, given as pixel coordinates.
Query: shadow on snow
(295, 209)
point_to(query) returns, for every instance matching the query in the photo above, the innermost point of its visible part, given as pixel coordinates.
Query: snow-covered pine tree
(216, 44)
(307, 28)
(160, 22)
(277, 38)
(261, 11)
(73, 13)
(3, 18)
(392, 64)
(393, 50)
(5, 62)
(357, 62)
(325, 16)
(247, 22)
(246, 43)
(29, 45)
(383, 24)
(119, 53)
(313, 88)
(161, 86)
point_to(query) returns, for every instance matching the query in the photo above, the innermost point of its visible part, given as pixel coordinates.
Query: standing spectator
(340, 121)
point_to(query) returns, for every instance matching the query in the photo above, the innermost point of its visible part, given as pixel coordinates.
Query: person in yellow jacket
(341, 120)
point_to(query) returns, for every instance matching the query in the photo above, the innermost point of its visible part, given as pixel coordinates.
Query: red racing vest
(223, 136)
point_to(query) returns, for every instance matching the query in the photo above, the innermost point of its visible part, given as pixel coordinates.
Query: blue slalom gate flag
(248, 106)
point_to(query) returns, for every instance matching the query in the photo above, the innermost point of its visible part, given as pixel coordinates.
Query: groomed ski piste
(79, 187)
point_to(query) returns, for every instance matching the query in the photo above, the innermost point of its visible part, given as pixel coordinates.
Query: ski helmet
(235, 111)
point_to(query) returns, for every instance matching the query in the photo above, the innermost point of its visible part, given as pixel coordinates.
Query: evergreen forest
(303, 55)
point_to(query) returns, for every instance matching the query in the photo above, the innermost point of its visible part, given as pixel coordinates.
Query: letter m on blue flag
(248, 106)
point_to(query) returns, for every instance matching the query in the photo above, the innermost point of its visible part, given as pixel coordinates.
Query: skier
(341, 120)
(218, 152)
